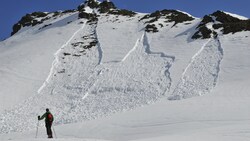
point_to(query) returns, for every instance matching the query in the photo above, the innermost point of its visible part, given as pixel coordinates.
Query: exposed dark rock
(88, 16)
(151, 28)
(91, 3)
(45, 26)
(28, 20)
(81, 7)
(35, 22)
(77, 44)
(39, 14)
(234, 27)
(161, 25)
(87, 46)
(93, 43)
(206, 19)
(68, 11)
(62, 71)
(82, 51)
(105, 6)
(203, 33)
(76, 55)
(45, 18)
(56, 14)
(66, 54)
(170, 15)
(230, 24)
(225, 18)
(122, 12)
(92, 20)
(219, 19)
(16, 28)
(85, 37)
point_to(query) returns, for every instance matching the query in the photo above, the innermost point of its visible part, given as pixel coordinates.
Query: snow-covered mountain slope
(87, 64)
(26, 59)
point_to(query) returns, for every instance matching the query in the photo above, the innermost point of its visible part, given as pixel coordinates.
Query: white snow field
(107, 79)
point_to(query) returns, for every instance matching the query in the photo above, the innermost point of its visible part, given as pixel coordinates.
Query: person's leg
(49, 130)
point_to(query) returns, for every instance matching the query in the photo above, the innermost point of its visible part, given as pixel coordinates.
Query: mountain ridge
(229, 22)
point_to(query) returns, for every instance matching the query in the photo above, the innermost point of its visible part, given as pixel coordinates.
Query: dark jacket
(45, 115)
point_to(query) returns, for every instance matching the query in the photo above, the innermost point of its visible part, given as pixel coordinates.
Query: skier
(48, 122)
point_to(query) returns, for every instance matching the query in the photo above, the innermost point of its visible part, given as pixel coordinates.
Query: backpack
(50, 117)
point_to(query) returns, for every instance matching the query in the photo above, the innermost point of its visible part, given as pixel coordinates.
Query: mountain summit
(103, 7)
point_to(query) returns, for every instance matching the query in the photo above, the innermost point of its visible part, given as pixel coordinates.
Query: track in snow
(201, 75)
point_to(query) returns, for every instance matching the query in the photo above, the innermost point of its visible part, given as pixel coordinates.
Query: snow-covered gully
(168, 66)
(56, 61)
(201, 74)
(98, 46)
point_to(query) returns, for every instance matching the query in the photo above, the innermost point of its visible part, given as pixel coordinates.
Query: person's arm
(43, 116)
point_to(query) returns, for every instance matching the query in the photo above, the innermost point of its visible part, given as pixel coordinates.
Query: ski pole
(37, 128)
(54, 131)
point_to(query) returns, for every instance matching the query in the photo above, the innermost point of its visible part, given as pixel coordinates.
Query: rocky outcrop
(85, 15)
(29, 20)
(90, 3)
(151, 28)
(221, 22)
(168, 15)
(122, 12)
(230, 24)
(36, 18)
(106, 6)
(103, 7)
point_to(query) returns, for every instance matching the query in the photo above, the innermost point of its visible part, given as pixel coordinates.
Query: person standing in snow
(48, 122)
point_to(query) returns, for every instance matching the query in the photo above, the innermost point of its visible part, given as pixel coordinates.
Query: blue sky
(11, 11)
